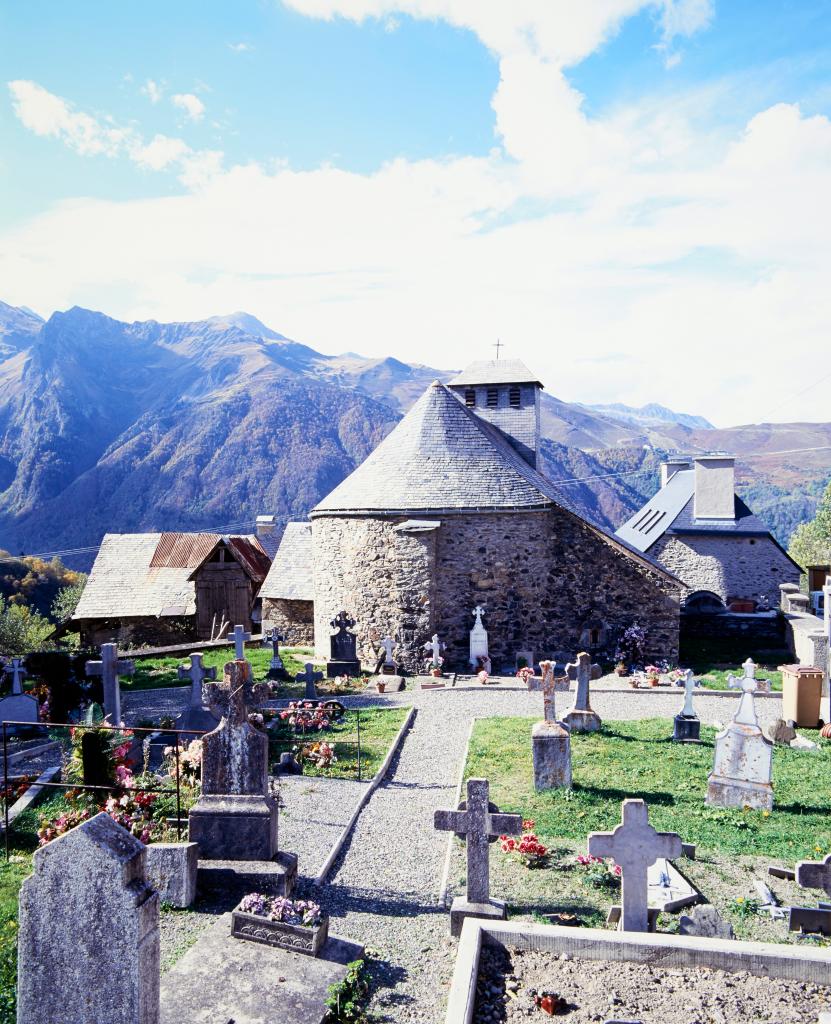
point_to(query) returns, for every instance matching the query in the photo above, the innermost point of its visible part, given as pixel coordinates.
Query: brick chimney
(715, 486)
(673, 465)
(265, 525)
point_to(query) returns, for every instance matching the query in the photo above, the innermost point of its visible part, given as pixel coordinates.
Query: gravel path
(313, 814)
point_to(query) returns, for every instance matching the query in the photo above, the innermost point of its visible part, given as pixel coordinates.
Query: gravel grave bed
(601, 990)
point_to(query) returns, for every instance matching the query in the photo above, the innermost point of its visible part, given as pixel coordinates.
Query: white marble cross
(240, 636)
(109, 668)
(388, 644)
(634, 845)
(746, 713)
(434, 646)
(15, 669)
(196, 672)
(478, 611)
(688, 711)
(309, 677)
(477, 824)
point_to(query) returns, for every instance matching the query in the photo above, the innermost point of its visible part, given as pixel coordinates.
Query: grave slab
(237, 878)
(222, 979)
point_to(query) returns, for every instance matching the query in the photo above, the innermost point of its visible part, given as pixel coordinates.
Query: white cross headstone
(109, 668)
(15, 669)
(434, 646)
(477, 822)
(478, 639)
(309, 677)
(196, 672)
(389, 645)
(240, 636)
(581, 717)
(748, 684)
(634, 845)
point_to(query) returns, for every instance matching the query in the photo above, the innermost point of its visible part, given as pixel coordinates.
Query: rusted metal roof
(183, 550)
(251, 555)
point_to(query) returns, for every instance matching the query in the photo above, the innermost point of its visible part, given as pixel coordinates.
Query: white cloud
(240, 47)
(192, 106)
(152, 90)
(160, 152)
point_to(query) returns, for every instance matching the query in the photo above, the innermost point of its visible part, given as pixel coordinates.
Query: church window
(470, 398)
(492, 398)
(514, 397)
(594, 636)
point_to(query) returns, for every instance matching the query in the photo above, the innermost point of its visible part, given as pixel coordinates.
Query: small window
(514, 397)
(470, 398)
(493, 398)
(594, 636)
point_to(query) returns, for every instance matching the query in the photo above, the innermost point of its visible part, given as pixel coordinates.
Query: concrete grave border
(376, 781)
(763, 959)
(36, 792)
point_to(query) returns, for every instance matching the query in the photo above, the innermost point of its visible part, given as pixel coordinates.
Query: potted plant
(634, 682)
(380, 685)
(653, 674)
(297, 925)
(621, 669)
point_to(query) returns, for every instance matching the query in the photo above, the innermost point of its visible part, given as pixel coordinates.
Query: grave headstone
(18, 706)
(235, 817)
(478, 640)
(742, 763)
(781, 732)
(276, 668)
(197, 715)
(343, 646)
(686, 724)
(634, 845)
(109, 668)
(550, 740)
(477, 823)
(88, 946)
(239, 635)
(309, 677)
(581, 717)
(387, 665)
(705, 922)
(434, 647)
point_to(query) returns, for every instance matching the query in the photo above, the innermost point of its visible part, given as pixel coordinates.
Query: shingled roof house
(156, 588)
(288, 592)
(450, 511)
(698, 528)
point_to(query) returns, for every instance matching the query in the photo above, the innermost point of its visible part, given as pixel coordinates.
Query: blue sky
(567, 175)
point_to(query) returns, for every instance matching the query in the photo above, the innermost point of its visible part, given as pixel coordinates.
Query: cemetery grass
(635, 759)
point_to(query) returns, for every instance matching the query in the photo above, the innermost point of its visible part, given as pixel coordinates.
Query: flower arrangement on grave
(483, 677)
(631, 649)
(16, 788)
(190, 762)
(279, 908)
(526, 848)
(599, 871)
(653, 674)
(306, 716)
(526, 673)
(321, 754)
(677, 676)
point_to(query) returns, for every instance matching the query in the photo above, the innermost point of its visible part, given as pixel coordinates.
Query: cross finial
(240, 636)
(498, 346)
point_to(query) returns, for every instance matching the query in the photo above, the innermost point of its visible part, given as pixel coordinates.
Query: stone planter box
(294, 937)
(171, 871)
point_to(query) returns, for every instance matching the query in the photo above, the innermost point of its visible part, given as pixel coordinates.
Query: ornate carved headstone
(550, 740)
(581, 717)
(276, 668)
(88, 946)
(478, 822)
(197, 715)
(742, 765)
(109, 668)
(687, 724)
(236, 816)
(478, 640)
(343, 646)
(434, 647)
(18, 706)
(634, 845)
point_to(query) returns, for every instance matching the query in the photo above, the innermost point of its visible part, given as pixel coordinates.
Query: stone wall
(732, 567)
(294, 619)
(762, 629)
(542, 577)
(148, 631)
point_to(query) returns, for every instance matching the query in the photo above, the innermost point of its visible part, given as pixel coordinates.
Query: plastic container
(801, 694)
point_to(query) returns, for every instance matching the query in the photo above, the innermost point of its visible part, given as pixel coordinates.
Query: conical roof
(442, 457)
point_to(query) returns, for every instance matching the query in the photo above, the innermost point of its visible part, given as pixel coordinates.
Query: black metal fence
(343, 733)
(91, 769)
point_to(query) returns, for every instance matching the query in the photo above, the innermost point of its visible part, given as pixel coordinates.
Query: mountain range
(113, 426)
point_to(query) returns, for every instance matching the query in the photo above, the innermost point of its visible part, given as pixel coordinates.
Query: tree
(64, 605)
(21, 629)
(811, 542)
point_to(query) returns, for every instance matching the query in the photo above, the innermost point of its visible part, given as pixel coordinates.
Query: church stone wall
(382, 577)
(542, 577)
(294, 619)
(732, 567)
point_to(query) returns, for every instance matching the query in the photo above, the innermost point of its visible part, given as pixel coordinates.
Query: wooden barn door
(222, 591)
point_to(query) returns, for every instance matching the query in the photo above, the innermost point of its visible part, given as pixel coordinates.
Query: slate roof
(149, 574)
(290, 576)
(495, 371)
(441, 457)
(672, 512)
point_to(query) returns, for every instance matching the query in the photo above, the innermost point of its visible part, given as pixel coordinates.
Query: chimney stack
(673, 464)
(715, 486)
(265, 526)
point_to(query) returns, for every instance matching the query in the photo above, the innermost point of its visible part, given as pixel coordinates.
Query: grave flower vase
(380, 687)
(294, 937)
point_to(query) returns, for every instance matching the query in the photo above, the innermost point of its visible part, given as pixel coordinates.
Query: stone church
(451, 511)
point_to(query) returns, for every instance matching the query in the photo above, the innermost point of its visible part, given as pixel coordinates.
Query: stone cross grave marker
(219, 694)
(550, 740)
(109, 668)
(812, 875)
(434, 646)
(196, 672)
(634, 845)
(15, 669)
(743, 759)
(687, 724)
(581, 717)
(389, 646)
(240, 637)
(274, 638)
(309, 677)
(89, 930)
(478, 822)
